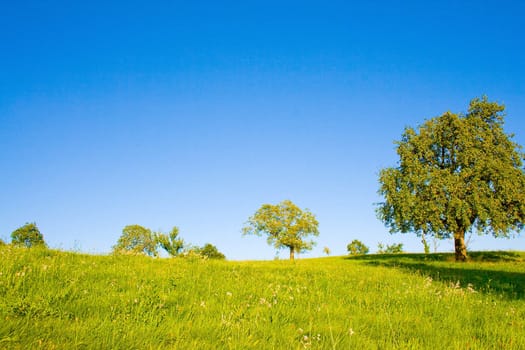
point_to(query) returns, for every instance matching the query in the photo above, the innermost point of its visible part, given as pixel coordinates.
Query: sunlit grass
(60, 300)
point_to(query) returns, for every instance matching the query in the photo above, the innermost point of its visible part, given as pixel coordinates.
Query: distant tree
(27, 236)
(136, 239)
(211, 252)
(2, 243)
(435, 244)
(456, 173)
(171, 242)
(286, 226)
(326, 250)
(426, 246)
(356, 247)
(394, 248)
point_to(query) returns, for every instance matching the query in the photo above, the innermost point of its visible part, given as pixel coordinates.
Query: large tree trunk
(292, 253)
(460, 247)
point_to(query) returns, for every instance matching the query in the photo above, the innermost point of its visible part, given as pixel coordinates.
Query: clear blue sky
(196, 113)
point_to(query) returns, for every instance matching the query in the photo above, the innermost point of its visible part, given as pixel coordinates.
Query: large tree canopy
(286, 226)
(456, 173)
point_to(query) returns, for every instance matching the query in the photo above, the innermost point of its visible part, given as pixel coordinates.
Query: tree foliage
(286, 226)
(191, 251)
(27, 236)
(456, 173)
(136, 239)
(394, 248)
(211, 252)
(356, 247)
(170, 242)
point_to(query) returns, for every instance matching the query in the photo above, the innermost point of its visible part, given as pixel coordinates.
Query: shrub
(395, 248)
(211, 252)
(192, 252)
(208, 251)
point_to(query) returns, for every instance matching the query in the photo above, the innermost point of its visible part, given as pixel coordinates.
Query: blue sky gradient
(195, 113)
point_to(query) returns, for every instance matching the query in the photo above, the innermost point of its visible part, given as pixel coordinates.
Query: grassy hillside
(59, 300)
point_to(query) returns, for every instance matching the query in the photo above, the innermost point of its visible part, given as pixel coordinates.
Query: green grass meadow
(61, 300)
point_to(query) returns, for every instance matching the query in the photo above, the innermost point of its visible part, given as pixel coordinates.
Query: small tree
(426, 246)
(394, 248)
(171, 243)
(27, 236)
(136, 239)
(211, 252)
(356, 247)
(456, 174)
(435, 244)
(326, 250)
(286, 226)
(2, 243)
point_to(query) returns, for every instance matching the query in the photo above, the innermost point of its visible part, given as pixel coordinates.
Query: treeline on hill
(134, 240)
(457, 174)
(356, 247)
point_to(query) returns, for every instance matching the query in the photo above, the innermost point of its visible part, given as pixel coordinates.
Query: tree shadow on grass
(441, 267)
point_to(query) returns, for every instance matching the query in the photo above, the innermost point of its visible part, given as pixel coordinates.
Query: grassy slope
(51, 299)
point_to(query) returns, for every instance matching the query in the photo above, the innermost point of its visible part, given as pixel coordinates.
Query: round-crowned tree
(356, 247)
(456, 173)
(136, 239)
(28, 236)
(285, 225)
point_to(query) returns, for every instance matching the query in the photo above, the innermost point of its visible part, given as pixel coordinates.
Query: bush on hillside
(208, 251)
(394, 248)
(211, 252)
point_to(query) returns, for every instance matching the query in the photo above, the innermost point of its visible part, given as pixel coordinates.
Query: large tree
(286, 226)
(457, 173)
(28, 236)
(136, 239)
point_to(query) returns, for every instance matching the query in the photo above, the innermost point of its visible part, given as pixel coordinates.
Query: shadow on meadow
(442, 267)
